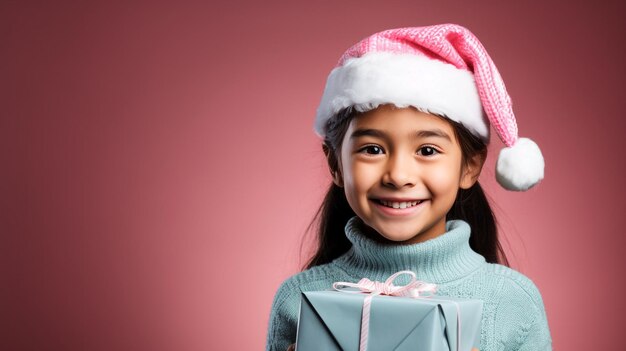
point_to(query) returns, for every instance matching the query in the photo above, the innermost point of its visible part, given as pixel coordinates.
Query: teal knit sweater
(513, 314)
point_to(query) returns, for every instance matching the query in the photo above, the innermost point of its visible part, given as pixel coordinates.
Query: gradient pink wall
(159, 166)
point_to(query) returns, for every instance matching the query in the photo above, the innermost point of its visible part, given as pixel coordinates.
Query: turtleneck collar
(439, 260)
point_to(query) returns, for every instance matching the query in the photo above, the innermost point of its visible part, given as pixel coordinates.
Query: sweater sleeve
(283, 318)
(537, 336)
(521, 318)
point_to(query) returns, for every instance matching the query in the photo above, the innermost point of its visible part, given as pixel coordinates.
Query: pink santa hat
(441, 69)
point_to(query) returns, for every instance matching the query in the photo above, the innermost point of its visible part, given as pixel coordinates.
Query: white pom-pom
(520, 166)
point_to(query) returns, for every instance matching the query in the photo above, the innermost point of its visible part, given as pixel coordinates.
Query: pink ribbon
(415, 289)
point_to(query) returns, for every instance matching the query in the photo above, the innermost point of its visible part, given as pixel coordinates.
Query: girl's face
(401, 171)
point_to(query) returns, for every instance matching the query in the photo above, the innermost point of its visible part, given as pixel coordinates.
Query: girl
(405, 121)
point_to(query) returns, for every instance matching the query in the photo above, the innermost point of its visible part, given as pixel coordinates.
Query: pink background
(159, 167)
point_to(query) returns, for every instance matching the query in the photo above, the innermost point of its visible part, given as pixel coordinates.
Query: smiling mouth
(403, 204)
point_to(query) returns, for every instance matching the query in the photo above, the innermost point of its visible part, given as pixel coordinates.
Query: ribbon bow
(415, 289)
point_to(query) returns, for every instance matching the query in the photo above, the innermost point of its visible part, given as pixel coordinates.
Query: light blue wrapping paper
(331, 320)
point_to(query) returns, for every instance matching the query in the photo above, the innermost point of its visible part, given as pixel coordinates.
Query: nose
(401, 171)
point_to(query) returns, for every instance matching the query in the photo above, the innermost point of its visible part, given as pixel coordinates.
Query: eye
(371, 150)
(427, 151)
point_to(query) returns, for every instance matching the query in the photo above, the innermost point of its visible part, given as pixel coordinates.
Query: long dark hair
(471, 205)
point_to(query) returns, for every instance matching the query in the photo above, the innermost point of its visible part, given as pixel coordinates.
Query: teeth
(399, 204)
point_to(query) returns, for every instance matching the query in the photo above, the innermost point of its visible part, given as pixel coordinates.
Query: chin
(401, 238)
(397, 233)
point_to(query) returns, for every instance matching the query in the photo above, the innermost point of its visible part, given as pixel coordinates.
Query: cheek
(359, 178)
(444, 179)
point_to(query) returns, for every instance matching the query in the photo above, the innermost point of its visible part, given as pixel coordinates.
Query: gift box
(334, 320)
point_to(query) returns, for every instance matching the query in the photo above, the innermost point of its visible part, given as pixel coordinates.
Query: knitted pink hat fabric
(441, 69)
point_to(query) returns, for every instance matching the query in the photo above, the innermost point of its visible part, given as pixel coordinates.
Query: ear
(471, 170)
(334, 165)
(337, 179)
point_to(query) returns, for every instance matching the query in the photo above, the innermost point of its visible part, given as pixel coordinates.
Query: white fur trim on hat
(404, 80)
(520, 166)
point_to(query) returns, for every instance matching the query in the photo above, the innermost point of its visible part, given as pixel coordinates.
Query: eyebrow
(419, 134)
(368, 132)
(433, 133)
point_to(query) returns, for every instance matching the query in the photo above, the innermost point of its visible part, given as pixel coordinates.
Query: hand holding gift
(383, 316)
(292, 347)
